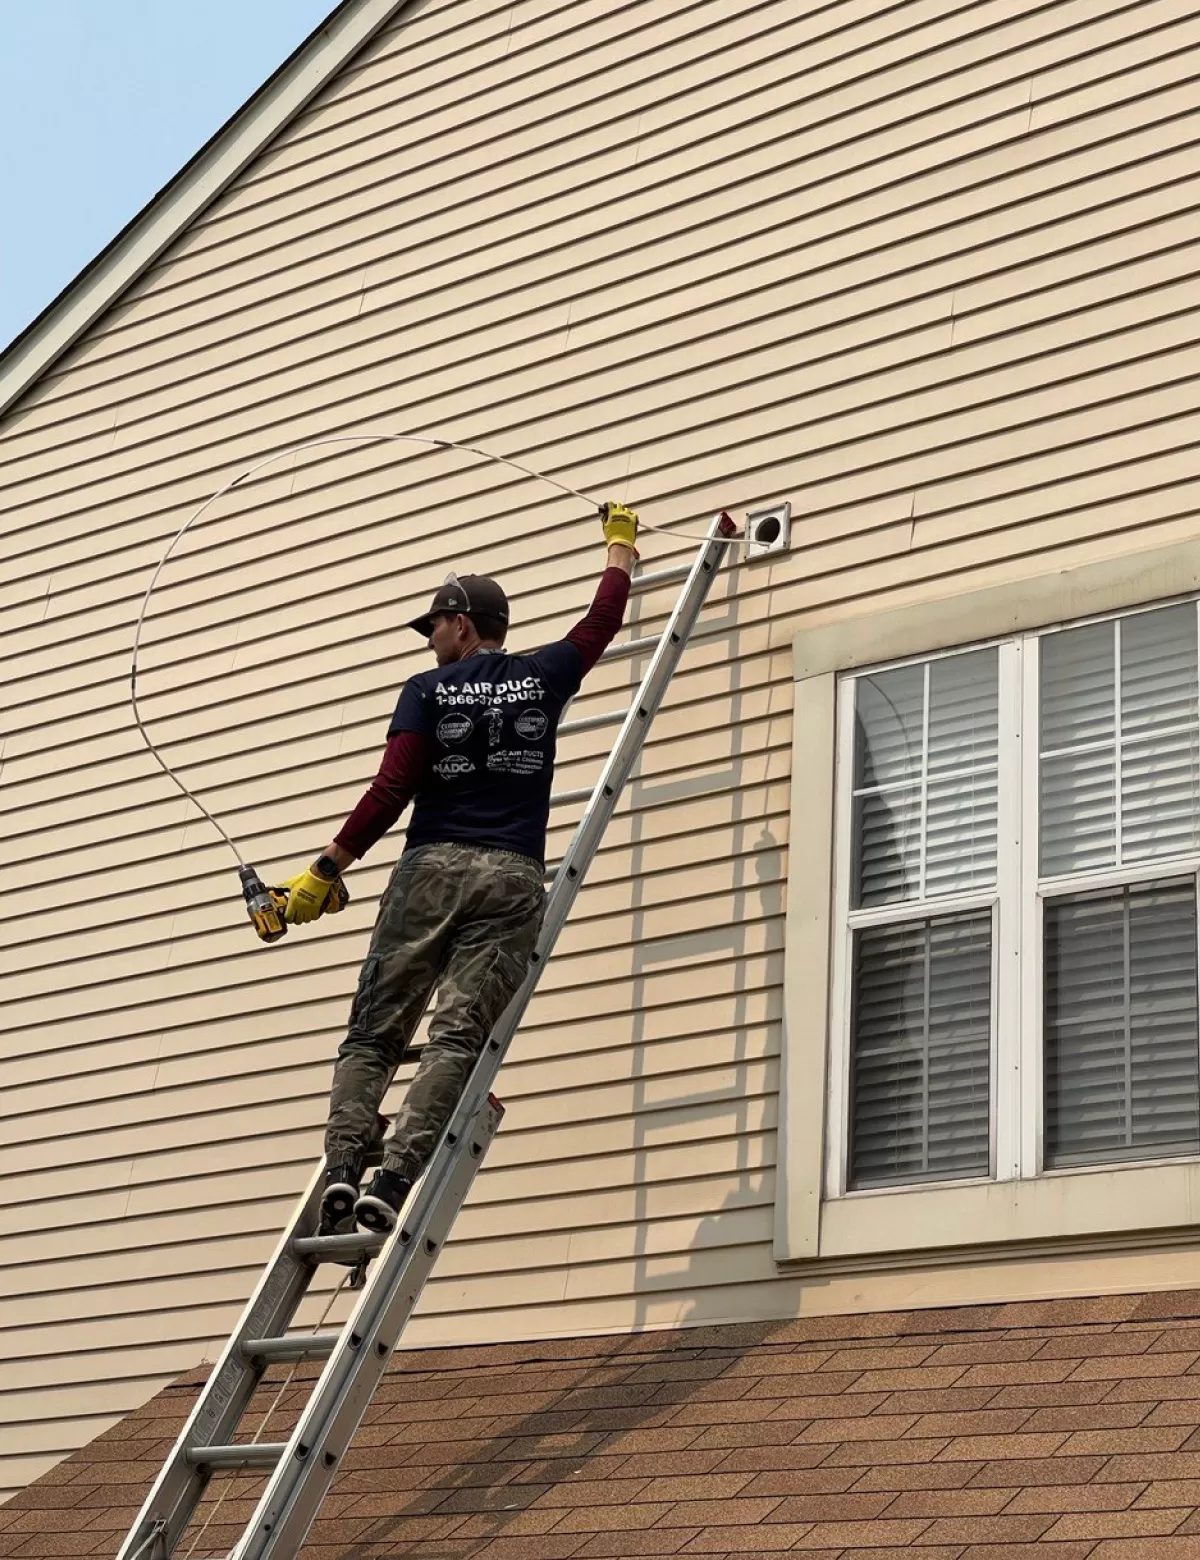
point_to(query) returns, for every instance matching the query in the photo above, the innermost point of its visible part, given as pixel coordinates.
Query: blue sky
(101, 103)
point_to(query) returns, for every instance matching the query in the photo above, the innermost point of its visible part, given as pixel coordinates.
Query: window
(1015, 963)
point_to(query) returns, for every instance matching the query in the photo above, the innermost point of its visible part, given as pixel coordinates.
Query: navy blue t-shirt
(491, 722)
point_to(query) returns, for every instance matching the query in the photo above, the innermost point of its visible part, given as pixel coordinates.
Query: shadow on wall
(757, 898)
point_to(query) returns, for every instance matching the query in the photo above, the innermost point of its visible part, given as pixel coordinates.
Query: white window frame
(1017, 903)
(847, 921)
(816, 1220)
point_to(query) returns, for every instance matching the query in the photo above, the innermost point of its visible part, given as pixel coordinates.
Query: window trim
(1062, 1205)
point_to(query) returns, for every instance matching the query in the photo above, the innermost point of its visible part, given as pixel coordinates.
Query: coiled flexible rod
(251, 471)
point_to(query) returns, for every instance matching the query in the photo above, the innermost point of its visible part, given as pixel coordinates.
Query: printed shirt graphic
(491, 722)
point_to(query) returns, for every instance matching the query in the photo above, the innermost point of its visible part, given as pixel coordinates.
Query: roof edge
(218, 162)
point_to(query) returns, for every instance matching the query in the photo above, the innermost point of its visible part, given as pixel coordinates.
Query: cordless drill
(264, 906)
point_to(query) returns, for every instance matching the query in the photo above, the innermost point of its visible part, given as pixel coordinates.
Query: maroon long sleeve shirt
(406, 757)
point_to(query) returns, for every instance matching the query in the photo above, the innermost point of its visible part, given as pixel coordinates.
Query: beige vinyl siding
(925, 269)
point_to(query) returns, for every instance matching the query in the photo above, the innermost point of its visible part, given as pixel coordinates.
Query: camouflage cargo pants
(462, 918)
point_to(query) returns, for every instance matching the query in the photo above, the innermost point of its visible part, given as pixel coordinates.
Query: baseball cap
(464, 593)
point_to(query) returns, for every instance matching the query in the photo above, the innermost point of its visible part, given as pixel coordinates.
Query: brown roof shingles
(1058, 1430)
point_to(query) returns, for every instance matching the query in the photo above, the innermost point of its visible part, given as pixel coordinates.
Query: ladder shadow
(757, 895)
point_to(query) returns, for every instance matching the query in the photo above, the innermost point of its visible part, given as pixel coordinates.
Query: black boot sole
(375, 1215)
(337, 1202)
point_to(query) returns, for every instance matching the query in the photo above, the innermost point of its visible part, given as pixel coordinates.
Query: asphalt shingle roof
(1061, 1430)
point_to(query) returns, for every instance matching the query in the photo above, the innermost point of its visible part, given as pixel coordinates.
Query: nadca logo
(452, 765)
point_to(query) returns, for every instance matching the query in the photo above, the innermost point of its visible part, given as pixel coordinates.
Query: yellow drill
(264, 906)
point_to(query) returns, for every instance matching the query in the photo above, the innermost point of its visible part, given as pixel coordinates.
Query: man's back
(490, 722)
(504, 794)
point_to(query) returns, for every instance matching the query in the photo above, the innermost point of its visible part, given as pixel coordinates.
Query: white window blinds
(921, 1050)
(1122, 1040)
(1120, 753)
(925, 764)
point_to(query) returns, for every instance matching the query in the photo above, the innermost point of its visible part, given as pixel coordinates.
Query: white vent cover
(768, 530)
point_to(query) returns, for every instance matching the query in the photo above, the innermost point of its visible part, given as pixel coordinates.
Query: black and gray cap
(464, 593)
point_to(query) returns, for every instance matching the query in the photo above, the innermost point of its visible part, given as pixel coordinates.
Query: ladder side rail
(214, 1418)
(327, 1424)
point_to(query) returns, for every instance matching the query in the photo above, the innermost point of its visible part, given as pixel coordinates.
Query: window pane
(960, 834)
(1122, 1037)
(926, 741)
(890, 716)
(1158, 669)
(964, 709)
(887, 841)
(1078, 714)
(1079, 816)
(1160, 796)
(1078, 677)
(921, 1051)
(1160, 749)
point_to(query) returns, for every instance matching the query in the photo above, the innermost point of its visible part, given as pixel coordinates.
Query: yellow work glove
(620, 525)
(311, 894)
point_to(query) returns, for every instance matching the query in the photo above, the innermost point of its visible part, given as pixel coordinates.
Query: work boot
(338, 1199)
(379, 1206)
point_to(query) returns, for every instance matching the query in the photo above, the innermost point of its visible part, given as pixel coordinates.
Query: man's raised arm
(594, 632)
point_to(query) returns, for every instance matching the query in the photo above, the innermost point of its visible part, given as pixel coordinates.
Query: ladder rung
(293, 1346)
(632, 647)
(581, 795)
(332, 1248)
(677, 571)
(590, 722)
(247, 1454)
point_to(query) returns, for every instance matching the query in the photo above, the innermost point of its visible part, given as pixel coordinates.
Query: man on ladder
(356, 1355)
(473, 741)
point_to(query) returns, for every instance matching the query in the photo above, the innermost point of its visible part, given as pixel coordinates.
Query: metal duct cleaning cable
(262, 907)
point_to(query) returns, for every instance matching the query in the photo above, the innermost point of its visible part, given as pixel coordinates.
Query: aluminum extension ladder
(357, 1355)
